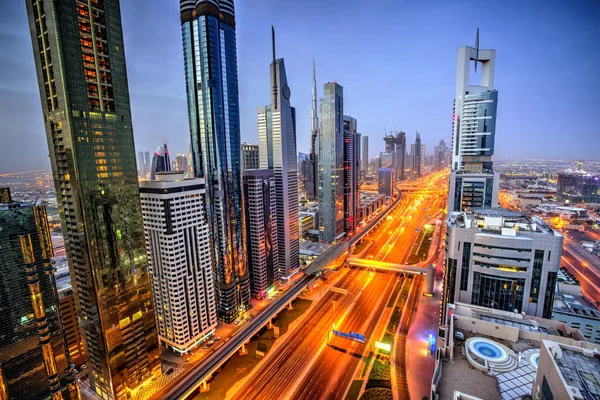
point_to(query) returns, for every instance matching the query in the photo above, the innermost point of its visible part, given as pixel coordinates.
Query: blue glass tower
(210, 57)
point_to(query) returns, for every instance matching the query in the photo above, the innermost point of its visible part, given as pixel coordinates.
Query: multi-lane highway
(307, 365)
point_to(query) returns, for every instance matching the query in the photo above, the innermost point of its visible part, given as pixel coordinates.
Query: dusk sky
(395, 59)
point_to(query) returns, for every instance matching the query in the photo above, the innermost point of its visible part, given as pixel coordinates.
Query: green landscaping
(420, 252)
(237, 367)
(392, 299)
(377, 394)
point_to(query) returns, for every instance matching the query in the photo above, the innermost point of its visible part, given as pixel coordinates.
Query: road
(305, 366)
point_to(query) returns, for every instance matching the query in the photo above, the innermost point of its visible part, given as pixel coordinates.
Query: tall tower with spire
(277, 151)
(311, 174)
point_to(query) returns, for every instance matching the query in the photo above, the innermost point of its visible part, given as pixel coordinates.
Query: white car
(459, 335)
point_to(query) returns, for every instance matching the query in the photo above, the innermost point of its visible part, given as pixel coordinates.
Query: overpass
(385, 266)
(199, 375)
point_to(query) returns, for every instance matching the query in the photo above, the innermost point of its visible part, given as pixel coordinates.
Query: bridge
(199, 375)
(385, 266)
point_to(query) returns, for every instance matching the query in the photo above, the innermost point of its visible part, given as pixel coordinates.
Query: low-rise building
(370, 202)
(578, 313)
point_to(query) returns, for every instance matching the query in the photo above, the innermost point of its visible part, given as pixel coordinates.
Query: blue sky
(396, 60)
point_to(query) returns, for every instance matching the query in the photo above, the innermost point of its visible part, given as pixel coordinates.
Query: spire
(313, 114)
(275, 88)
(476, 48)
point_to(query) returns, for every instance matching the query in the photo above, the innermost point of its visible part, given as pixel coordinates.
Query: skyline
(420, 103)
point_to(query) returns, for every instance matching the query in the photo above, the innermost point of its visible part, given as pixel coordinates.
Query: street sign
(357, 337)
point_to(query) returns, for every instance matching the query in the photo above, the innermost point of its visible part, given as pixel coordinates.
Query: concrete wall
(487, 328)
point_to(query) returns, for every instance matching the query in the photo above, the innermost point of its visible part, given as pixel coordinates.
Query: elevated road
(385, 266)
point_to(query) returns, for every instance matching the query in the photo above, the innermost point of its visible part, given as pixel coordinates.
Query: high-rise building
(473, 132)
(385, 181)
(311, 171)
(70, 322)
(277, 151)
(417, 157)
(82, 76)
(364, 157)
(502, 259)
(178, 245)
(578, 187)
(34, 363)
(5, 196)
(147, 164)
(161, 161)
(351, 174)
(210, 59)
(141, 165)
(250, 158)
(396, 146)
(181, 163)
(441, 156)
(331, 163)
(261, 229)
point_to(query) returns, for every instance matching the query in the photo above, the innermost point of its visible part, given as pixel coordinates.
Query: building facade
(502, 259)
(578, 188)
(351, 175)
(331, 163)
(312, 166)
(277, 143)
(260, 195)
(385, 181)
(474, 129)
(472, 190)
(210, 58)
(250, 158)
(81, 70)
(364, 157)
(34, 363)
(178, 246)
(161, 161)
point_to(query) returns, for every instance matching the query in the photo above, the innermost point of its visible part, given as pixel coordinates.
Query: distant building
(250, 158)
(178, 247)
(181, 163)
(385, 182)
(5, 196)
(331, 164)
(502, 259)
(33, 361)
(351, 174)
(261, 229)
(369, 203)
(311, 171)
(395, 146)
(441, 156)
(416, 153)
(160, 161)
(364, 158)
(578, 188)
(277, 143)
(141, 165)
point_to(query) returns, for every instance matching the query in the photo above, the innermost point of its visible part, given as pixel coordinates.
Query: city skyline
(548, 55)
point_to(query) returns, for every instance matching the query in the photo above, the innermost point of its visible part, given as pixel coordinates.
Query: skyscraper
(250, 157)
(331, 163)
(210, 58)
(147, 164)
(80, 62)
(181, 163)
(141, 165)
(34, 363)
(416, 157)
(312, 171)
(277, 151)
(364, 157)
(161, 161)
(396, 146)
(178, 245)
(351, 174)
(440, 156)
(261, 229)
(473, 182)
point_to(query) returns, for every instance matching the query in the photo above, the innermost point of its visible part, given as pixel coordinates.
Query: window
(466, 261)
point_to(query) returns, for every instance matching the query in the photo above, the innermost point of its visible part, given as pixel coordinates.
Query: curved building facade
(210, 58)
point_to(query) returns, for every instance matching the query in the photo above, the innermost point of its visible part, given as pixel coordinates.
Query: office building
(277, 150)
(33, 361)
(578, 187)
(88, 125)
(441, 155)
(161, 161)
(210, 59)
(395, 145)
(250, 158)
(181, 163)
(364, 158)
(385, 181)
(178, 246)
(68, 312)
(331, 163)
(261, 229)
(416, 155)
(575, 311)
(351, 174)
(566, 372)
(502, 259)
(141, 165)
(312, 166)
(474, 131)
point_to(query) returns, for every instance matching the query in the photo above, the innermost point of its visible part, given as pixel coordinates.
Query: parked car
(459, 335)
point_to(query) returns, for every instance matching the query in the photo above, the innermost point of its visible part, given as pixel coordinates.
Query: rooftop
(576, 305)
(581, 371)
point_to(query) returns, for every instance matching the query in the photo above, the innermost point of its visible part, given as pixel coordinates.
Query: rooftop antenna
(274, 68)
(476, 49)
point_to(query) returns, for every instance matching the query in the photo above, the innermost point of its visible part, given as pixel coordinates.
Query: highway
(306, 365)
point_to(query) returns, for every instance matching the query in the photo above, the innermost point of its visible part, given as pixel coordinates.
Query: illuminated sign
(383, 346)
(351, 335)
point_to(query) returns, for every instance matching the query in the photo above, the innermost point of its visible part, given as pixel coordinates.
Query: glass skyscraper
(210, 57)
(34, 363)
(80, 63)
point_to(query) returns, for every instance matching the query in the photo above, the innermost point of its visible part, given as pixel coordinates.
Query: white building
(178, 246)
(502, 259)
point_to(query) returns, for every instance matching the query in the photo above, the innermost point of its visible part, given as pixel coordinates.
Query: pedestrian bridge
(385, 266)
